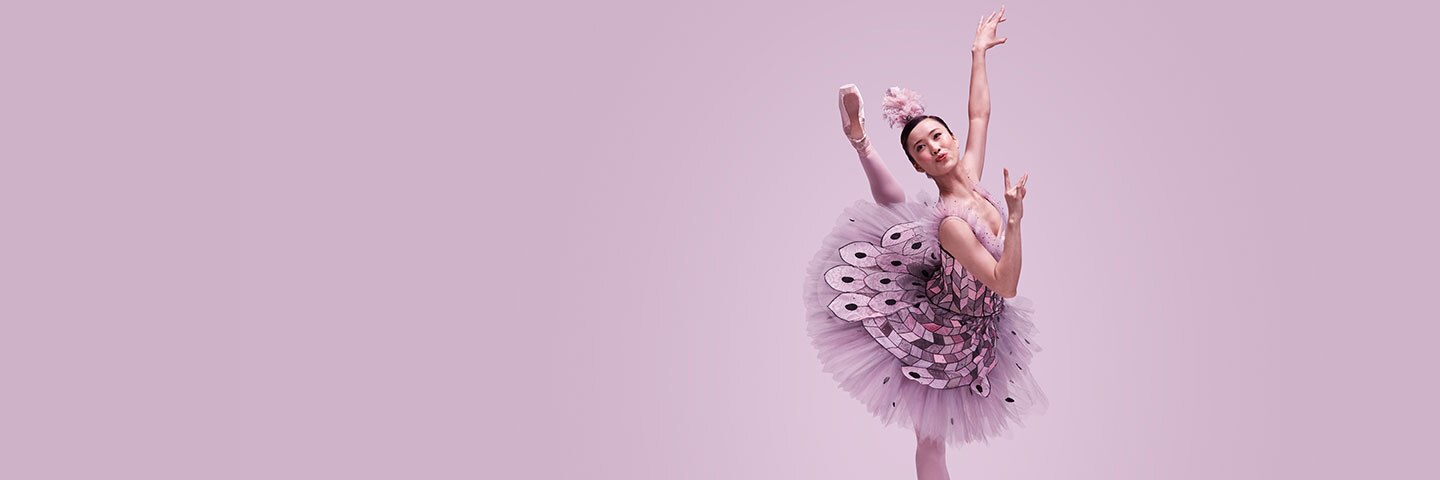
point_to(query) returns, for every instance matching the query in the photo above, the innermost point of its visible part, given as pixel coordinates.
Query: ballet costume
(911, 335)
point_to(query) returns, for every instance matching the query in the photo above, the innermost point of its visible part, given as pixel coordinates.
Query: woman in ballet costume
(911, 305)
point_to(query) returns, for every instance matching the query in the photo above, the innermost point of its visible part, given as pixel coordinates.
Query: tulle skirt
(872, 374)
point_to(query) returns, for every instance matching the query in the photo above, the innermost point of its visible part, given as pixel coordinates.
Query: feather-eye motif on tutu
(908, 297)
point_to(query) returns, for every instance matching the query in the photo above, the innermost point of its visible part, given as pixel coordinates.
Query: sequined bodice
(956, 290)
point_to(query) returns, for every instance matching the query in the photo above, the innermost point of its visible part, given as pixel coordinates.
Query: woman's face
(934, 148)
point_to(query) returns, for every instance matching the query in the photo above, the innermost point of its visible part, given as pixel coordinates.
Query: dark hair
(910, 125)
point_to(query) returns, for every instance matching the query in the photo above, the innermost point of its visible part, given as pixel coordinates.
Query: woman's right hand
(1015, 195)
(985, 32)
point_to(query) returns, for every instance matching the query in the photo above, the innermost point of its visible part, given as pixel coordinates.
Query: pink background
(449, 240)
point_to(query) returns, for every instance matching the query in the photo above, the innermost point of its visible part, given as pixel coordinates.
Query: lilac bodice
(955, 289)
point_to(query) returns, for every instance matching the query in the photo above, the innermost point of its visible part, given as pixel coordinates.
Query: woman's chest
(983, 215)
(989, 218)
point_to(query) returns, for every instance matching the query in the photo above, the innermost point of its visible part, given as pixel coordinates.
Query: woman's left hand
(985, 31)
(1015, 195)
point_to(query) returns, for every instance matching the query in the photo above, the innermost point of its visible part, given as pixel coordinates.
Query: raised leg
(883, 186)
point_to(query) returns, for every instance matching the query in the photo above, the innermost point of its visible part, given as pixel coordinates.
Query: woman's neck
(955, 185)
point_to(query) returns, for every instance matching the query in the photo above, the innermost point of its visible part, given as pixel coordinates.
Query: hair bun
(901, 105)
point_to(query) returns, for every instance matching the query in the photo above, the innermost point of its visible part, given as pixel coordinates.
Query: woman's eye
(937, 134)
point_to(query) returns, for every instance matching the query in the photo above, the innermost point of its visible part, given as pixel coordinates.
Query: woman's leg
(883, 186)
(930, 458)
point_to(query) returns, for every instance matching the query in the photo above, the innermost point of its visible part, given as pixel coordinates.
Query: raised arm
(1003, 275)
(973, 160)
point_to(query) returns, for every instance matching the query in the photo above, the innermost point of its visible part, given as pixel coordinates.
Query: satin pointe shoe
(852, 116)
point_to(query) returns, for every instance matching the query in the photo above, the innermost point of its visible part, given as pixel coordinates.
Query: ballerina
(912, 305)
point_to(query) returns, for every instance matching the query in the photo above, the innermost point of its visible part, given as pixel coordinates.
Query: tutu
(912, 335)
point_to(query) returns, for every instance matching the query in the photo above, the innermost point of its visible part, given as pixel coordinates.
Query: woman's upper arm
(973, 159)
(959, 241)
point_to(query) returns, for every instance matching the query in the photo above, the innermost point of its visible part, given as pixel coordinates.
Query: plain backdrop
(325, 239)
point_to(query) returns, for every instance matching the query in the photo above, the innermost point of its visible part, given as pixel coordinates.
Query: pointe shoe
(851, 106)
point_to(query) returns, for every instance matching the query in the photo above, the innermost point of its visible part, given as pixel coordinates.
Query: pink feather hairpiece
(901, 105)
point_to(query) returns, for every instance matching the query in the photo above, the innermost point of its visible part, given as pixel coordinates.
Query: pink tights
(882, 185)
(930, 459)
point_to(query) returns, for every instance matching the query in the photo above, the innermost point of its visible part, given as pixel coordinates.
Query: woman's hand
(1015, 195)
(985, 31)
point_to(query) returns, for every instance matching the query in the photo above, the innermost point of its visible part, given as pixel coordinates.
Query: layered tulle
(1003, 394)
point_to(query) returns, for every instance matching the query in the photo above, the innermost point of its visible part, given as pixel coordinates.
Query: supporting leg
(930, 458)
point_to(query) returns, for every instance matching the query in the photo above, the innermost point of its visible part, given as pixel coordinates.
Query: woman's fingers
(1017, 190)
(994, 18)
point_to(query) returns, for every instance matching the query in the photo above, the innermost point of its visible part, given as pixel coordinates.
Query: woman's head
(930, 145)
(926, 139)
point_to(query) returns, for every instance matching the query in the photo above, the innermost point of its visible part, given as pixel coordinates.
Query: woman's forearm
(1007, 270)
(979, 85)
